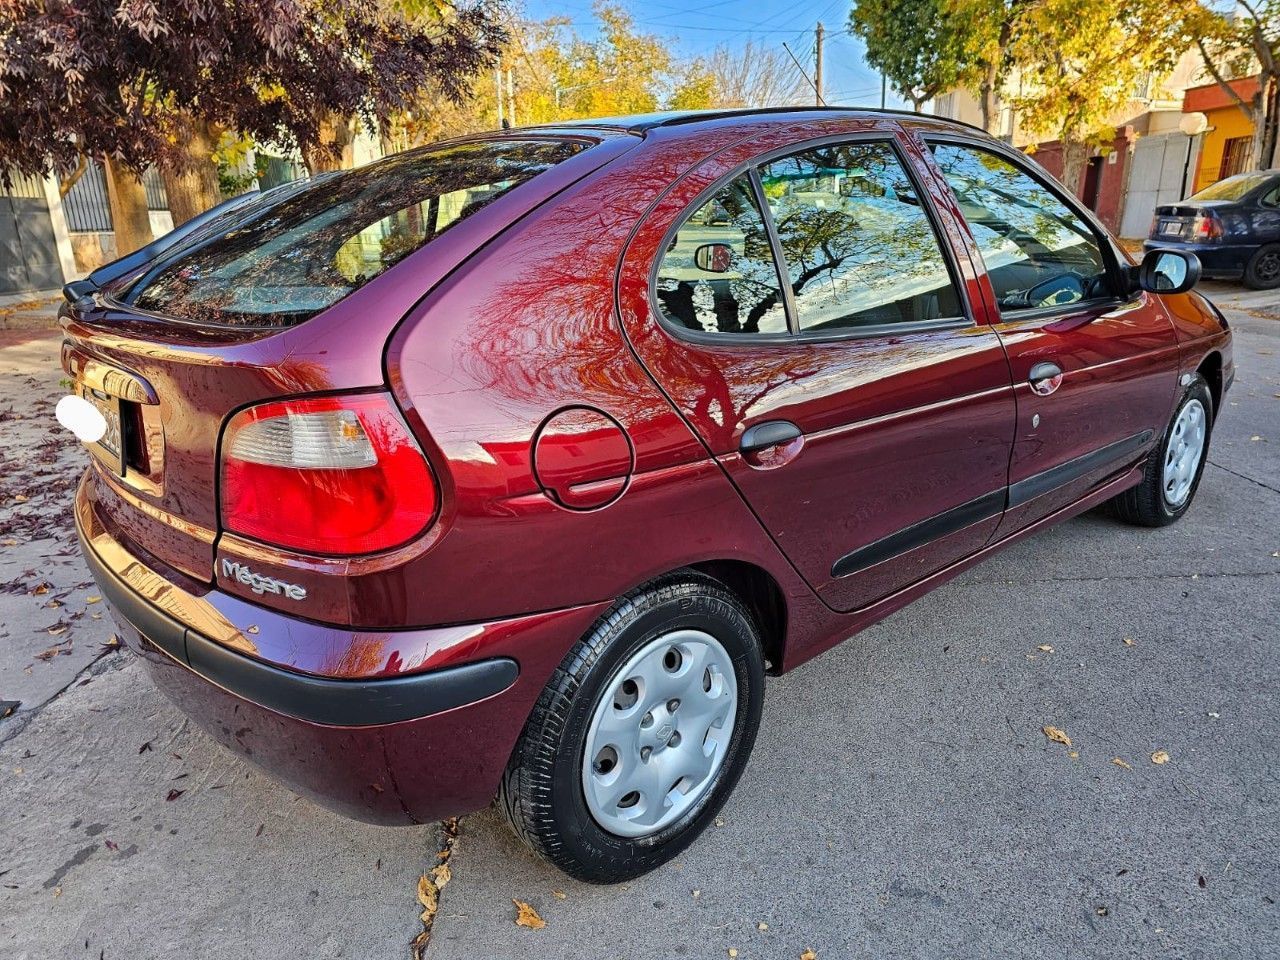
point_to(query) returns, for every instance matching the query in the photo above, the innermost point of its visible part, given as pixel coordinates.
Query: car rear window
(286, 261)
(1232, 188)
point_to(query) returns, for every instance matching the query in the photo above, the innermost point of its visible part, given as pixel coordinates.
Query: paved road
(901, 801)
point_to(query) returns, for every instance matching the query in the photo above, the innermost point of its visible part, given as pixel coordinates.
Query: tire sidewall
(1251, 278)
(1198, 389)
(579, 833)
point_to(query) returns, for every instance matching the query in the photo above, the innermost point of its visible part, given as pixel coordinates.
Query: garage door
(28, 250)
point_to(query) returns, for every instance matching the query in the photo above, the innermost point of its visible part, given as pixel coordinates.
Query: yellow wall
(1225, 123)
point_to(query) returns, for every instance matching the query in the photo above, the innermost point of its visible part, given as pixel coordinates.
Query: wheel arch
(762, 595)
(1211, 369)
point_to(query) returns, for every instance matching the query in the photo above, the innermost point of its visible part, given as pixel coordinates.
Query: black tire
(1146, 504)
(1263, 270)
(542, 793)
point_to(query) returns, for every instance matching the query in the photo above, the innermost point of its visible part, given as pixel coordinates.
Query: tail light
(1206, 226)
(334, 475)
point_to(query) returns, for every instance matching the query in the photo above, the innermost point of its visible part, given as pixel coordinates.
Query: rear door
(1094, 364)
(858, 406)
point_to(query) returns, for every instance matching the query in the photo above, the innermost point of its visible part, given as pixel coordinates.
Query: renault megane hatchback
(510, 466)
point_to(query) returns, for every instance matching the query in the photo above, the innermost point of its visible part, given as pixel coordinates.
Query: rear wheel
(1263, 270)
(641, 733)
(1174, 467)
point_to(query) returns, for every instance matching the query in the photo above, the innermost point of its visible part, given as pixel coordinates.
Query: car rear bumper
(1216, 260)
(399, 748)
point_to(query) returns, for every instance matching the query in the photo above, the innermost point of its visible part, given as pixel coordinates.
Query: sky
(697, 29)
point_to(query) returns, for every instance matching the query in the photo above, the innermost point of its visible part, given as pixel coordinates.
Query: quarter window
(718, 275)
(859, 248)
(1038, 253)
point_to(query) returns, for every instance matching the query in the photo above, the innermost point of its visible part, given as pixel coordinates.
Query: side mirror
(1168, 271)
(713, 257)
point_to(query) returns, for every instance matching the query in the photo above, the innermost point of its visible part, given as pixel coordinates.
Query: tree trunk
(1073, 163)
(129, 215)
(989, 96)
(1270, 122)
(193, 189)
(334, 151)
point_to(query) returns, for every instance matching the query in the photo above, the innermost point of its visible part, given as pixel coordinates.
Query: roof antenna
(506, 124)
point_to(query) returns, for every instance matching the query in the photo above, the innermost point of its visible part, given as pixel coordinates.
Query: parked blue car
(1232, 226)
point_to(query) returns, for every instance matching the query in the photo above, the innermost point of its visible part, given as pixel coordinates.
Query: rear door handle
(771, 433)
(1045, 378)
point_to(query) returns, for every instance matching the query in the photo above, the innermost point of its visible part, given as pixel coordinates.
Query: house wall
(1111, 187)
(1225, 123)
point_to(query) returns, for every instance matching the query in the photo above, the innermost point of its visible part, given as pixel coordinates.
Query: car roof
(639, 123)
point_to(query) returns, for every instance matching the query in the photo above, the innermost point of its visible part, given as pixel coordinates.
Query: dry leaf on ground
(1129, 641)
(1045, 648)
(1120, 763)
(808, 955)
(1160, 756)
(1056, 735)
(428, 896)
(526, 916)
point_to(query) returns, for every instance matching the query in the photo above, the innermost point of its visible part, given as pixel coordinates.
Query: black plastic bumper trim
(340, 703)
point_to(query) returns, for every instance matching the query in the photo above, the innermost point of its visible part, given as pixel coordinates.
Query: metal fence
(30, 188)
(88, 206)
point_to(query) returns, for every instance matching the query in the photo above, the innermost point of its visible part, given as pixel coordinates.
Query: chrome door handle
(1045, 378)
(771, 433)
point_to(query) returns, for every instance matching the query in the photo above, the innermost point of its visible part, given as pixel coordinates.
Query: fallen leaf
(56, 631)
(175, 794)
(1129, 641)
(52, 652)
(1120, 763)
(1056, 735)
(57, 892)
(696, 893)
(526, 916)
(1255, 438)
(1045, 648)
(1074, 754)
(808, 955)
(732, 952)
(21, 498)
(40, 590)
(112, 845)
(719, 822)
(113, 643)
(441, 875)
(1160, 756)
(428, 896)
(762, 926)
(1200, 882)
(559, 894)
(93, 599)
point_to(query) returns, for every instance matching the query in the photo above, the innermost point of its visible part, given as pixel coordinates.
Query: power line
(803, 73)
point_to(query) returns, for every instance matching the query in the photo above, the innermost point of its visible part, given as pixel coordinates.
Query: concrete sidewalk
(901, 800)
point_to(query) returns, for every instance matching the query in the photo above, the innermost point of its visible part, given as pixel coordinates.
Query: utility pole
(817, 68)
(497, 83)
(884, 89)
(511, 97)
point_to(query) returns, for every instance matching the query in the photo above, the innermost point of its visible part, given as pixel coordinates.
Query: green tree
(923, 47)
(1241, 44)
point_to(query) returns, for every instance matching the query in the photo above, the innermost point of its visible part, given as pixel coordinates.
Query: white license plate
(111, 443)
(1171, 228)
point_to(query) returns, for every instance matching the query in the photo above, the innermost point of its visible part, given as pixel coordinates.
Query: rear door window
(859, 248)
(288, 260)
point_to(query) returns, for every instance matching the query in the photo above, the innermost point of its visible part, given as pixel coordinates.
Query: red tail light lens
(1206, 226)
(334, 475)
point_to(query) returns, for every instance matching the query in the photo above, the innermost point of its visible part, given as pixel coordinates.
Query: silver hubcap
(1182, 457)
(659, 733)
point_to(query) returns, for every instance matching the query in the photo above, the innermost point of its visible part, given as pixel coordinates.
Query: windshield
(290, 256)
(1233, 188)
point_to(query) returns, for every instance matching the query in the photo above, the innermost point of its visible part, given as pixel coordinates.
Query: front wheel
(641, 733)
(1174, 468)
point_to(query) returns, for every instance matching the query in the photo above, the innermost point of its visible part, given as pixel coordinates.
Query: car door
(860, 409)
(1094, 363)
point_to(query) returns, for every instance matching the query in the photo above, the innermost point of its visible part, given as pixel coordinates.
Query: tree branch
(66, 183)
(1244, 107)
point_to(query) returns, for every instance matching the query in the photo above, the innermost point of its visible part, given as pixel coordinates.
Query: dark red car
(510, 466)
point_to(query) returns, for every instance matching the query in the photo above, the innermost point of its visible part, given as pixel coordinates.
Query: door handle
(1045, 378)
(771, 433)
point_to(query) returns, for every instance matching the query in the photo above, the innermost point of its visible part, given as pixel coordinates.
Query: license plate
(110, 446)
(1171, 228)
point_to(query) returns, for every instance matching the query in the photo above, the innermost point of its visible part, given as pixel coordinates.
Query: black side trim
(1027, 490)
(342, 703)
(918, 534)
